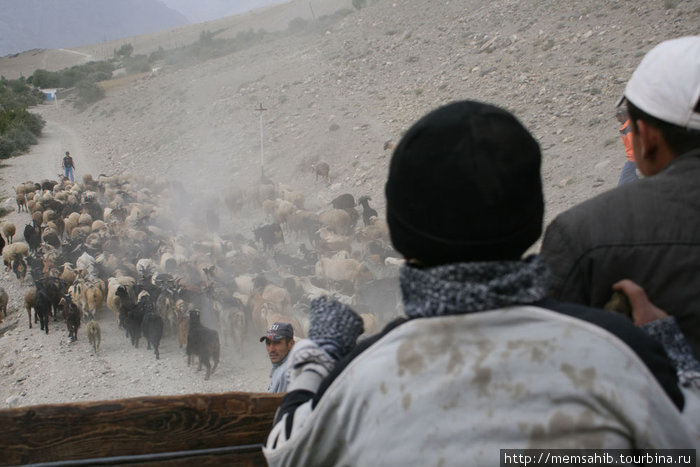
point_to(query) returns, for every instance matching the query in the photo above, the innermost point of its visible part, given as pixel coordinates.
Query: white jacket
(454, 390)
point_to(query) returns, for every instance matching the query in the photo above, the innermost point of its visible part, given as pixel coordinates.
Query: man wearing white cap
(648, 230)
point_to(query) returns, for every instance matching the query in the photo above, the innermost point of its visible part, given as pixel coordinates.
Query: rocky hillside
(340, 92)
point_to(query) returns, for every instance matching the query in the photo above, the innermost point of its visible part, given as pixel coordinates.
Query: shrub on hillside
(69, 77)
(124, 51)
(137, 64)
(88, 92)
(16, 141)
(16, 93)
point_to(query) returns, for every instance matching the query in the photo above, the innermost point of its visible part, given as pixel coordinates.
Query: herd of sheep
(166, 266)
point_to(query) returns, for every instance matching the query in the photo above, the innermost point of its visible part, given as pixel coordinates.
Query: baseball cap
(666, 84)
(278, 331)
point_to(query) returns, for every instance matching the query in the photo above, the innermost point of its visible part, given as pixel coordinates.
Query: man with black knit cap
(647, 231)
(482, 361)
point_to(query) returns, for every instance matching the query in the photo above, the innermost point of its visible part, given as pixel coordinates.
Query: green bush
(359, 4)
(124, 51)
(69, 77)
(6, 148)
(88, 92)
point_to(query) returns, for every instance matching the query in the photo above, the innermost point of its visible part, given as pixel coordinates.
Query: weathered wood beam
(140, 426)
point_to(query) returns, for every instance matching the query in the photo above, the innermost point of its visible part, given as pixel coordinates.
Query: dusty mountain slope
(336, 94)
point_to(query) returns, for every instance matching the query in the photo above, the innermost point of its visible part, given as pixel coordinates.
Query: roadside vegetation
(19, 128)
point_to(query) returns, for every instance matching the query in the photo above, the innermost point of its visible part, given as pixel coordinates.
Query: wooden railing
(196, 429)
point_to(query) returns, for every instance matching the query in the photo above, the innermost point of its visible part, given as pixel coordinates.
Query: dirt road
(36, 368)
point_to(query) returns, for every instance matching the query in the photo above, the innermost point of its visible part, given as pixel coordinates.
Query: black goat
(33, 237)
(152, 327)
(71, 314)
(269, 234)
(203, 342)
(367, 211)
(42, 308)
(130, 315)
(55, 288)
(152, 323)
(2, 243)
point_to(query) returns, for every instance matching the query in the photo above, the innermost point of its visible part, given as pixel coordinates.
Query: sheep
(367, 211)
(203, 342)
(337, 220)
(283, 210)
(279, 296)
(94, 334)
(294, 197)
(322, 169)
(4, 299)
(51, 237)
(68, 274)
(377, 230)
(71, 222)
(9, 230)
(303, 222)
(37, 218)
(48, 215)
(85, 264)
(89, 293)
(29, 303)
(25, 188)
(12, 252)
(21, 203)
(343, 269)
(332, 242)
(344, 201)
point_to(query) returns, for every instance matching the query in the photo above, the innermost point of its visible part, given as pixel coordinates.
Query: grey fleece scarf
(468, 287)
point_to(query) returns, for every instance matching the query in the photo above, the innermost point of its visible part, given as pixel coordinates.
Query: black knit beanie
(464, 185)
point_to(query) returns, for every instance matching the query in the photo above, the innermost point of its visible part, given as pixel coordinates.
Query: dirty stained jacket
(647, 231)
(454, 390)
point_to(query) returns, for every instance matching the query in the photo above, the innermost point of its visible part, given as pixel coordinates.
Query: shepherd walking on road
(68, 166)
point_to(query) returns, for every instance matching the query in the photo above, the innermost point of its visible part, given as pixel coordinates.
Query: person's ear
(653, 148)
(647, 140)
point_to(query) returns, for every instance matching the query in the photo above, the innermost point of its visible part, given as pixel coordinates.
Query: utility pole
(262, 150)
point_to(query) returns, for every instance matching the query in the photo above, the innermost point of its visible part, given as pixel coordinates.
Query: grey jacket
(278, 381)
(647, 231)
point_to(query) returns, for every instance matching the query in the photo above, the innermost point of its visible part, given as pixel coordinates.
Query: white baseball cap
(666, 84)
